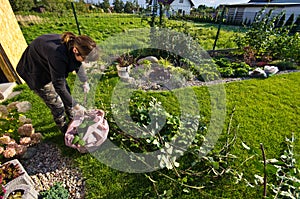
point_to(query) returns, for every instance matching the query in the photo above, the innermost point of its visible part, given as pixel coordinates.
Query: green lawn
(266, 111)
(101, 26)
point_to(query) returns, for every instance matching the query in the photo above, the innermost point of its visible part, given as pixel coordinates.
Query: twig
(228, 141)
(234, 137)
(247, 159)
(228, 132)
(174, 168)
(279, 189)
(154, 185)
(265, 170)
(231, 117)
(172, 179)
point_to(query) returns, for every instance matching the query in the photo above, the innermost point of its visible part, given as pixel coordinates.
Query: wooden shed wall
(11, 39)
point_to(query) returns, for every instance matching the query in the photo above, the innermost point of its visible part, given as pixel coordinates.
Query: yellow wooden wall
(11, 37)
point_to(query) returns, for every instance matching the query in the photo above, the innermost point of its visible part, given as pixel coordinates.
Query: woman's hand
(79, 110)
(86, 87)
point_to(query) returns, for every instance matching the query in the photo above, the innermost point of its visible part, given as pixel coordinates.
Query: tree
(136, 5)
(118, 6)
(290, 20)
(202, 7)
(55, 5)
(129, 7)
(105, 5)
(296, 26)
(281, 21)
(21, 5)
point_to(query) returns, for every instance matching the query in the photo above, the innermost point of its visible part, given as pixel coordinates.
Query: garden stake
(74, 12)
(265, 172)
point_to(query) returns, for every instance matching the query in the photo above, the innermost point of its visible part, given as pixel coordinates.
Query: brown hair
(84, 44)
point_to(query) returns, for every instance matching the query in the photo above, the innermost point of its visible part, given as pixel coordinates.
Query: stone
(31, 151)
(152, 59)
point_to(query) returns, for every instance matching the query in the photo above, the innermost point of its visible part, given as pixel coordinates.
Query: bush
(265, 40)
(232, 69)
(57, 191)
(226, 72)
(284, 65)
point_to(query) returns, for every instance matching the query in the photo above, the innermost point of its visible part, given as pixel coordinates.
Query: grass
(266, 111)
(101, 26)
(96, 25)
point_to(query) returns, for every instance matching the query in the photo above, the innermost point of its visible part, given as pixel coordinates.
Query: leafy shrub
(227, 72)
(284, 65)
(141, 112)
(241, 69)
(57, 191)
(284, 170)
(232, 69)
(259, 35)
(287, 173)
(188, 75)
(223, 62)
(267, 40)
(241, 72)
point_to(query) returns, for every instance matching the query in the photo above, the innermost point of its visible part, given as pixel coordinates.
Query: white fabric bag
(87, 132)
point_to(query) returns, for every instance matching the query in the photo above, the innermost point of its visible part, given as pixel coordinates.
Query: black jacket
(47, 60)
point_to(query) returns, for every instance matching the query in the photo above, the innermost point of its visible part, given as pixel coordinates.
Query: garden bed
(48, 166)
(147, 72)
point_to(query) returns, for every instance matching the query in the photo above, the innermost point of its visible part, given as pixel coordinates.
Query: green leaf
(81, 142)
(76, 139)
(185, 179)
(83, 125)
(216, 165)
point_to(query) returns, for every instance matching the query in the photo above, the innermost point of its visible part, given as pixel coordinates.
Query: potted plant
(124, 63)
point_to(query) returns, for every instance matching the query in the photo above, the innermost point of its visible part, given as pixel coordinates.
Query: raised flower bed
(16, 181)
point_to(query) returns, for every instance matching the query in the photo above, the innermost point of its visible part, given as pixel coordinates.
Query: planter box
(6, 89)
(22, 182)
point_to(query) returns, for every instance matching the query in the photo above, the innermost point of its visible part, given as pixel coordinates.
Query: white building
(181, 7)
(173, 7)
(246, 12)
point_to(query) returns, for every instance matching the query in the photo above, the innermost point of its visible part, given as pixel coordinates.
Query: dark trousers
(54, 102)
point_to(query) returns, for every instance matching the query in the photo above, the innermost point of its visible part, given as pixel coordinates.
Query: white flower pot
(123, 72)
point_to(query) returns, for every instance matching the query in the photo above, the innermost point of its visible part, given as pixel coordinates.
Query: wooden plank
(12, 40)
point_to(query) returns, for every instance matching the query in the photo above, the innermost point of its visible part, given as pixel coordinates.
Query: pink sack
(87, 132)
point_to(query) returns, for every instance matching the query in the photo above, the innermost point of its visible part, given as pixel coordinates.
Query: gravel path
(46, 165)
